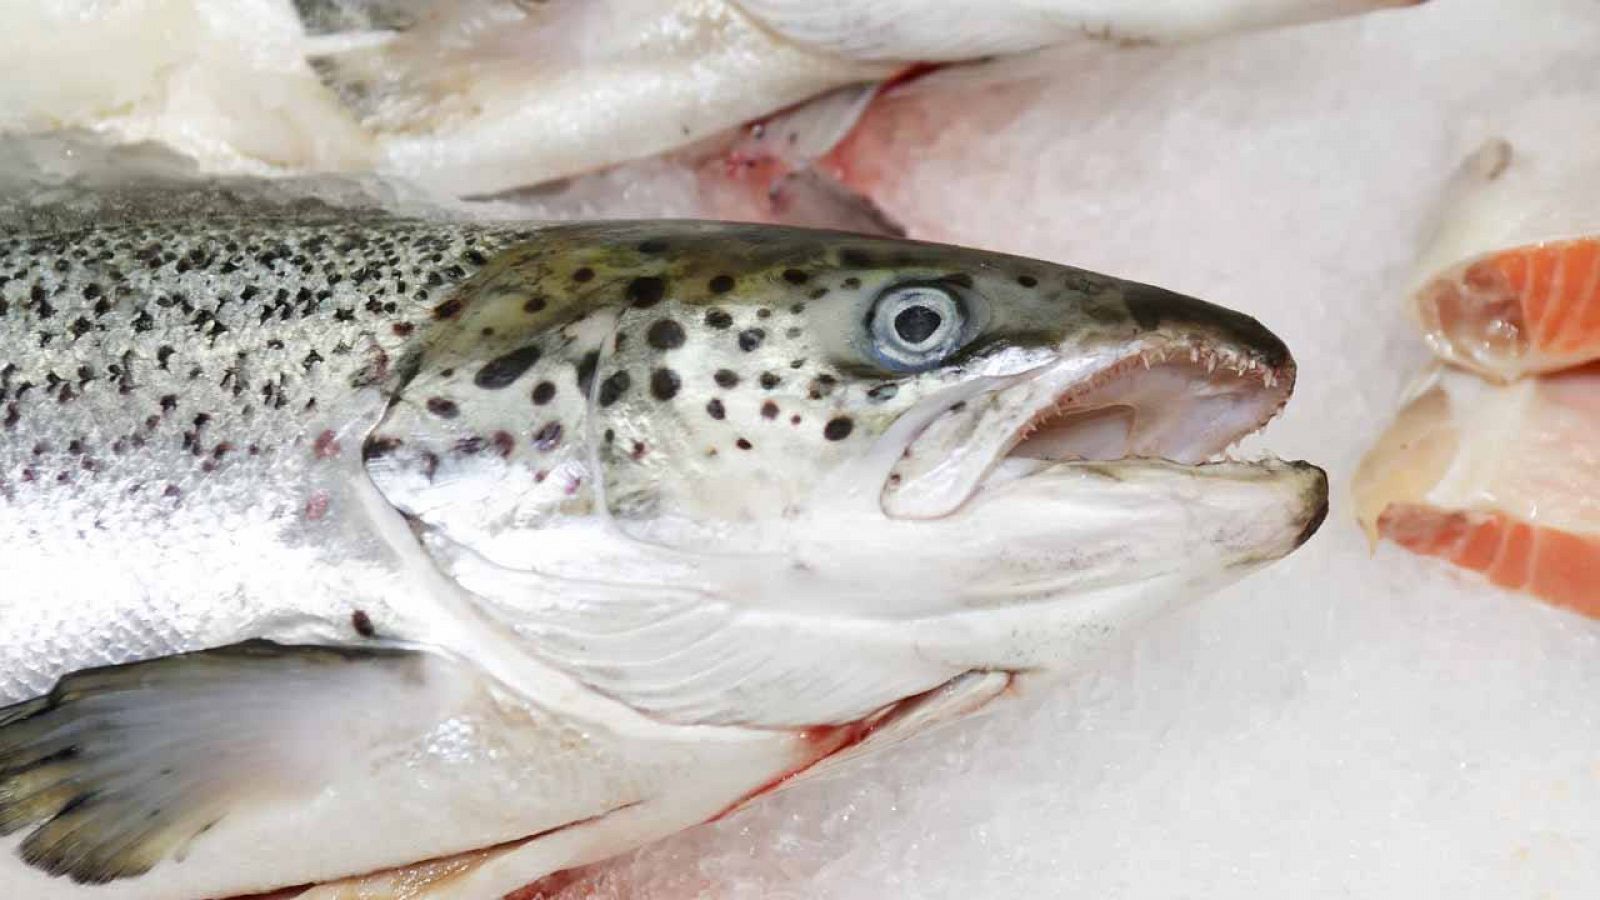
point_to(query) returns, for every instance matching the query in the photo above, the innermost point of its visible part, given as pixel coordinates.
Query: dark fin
(120, 767)
(414, 65)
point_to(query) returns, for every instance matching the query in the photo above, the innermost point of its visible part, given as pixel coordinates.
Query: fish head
(822, 424)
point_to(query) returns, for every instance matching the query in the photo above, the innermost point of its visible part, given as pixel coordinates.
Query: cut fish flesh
(1503, 480)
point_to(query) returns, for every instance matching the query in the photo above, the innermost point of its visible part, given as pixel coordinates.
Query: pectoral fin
(119, 768)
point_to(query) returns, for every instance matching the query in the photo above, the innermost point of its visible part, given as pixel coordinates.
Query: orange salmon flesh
(1528, 310)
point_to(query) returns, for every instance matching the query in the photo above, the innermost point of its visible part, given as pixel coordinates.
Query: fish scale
(179, 366)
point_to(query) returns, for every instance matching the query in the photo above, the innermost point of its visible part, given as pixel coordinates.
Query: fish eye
(916, 326)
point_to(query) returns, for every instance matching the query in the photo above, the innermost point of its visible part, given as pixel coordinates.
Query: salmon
(1508, 285)
(1524, 310)
(1501, 480)
(394, 558)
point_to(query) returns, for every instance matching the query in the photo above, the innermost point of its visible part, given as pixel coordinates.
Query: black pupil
(916, 324)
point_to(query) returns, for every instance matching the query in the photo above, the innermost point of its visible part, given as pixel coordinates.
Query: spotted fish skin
(705, 371)
(157, 376)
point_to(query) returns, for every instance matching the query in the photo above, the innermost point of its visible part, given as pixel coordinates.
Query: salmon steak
(1503, 480)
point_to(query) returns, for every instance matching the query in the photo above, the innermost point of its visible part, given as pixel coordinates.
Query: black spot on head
(664, 384)
(763, 313)
(548, 437)
(751, 338)
(1027, 281)
(503, 370)
(742, 444)
(721, 284)
(542, 392)
(715, 409)
(443, 408)
(448, 309)
(838, 428)
(646, 291)
(469, 445)
(795, 276)
(855, 258)
(583, 274)
(769, 410)
(612, 389)
(770, 380)
(362, 623)
(718, 319)
(503, 443)
(725, 378)
(653, 245)
(852, 282)
(586, 367)
(534, 305)
(665, 334)
(883, 392)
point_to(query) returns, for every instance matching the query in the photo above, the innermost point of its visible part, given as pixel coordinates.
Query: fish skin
(223, 431)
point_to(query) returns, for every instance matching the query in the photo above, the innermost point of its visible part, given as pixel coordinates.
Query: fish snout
(1171, 317)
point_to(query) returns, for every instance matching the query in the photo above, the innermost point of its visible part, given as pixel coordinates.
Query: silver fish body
(509, 548)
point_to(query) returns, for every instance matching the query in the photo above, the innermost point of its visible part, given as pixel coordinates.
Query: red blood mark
(317, 506)
(326, 446)
(899, 127)
(550, 885)
(754, 172)
(823, 741)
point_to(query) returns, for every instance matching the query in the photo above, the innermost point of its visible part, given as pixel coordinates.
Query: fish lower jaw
(1184, 402)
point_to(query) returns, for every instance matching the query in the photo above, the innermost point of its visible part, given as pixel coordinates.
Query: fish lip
(1320, 513)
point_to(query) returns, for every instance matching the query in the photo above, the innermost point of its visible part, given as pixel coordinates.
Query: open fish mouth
(1185, 402)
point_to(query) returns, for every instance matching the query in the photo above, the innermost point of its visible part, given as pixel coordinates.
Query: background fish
(482, 96)
(376, 543)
